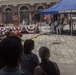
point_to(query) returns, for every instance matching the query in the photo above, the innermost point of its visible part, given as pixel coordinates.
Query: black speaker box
(37, 17)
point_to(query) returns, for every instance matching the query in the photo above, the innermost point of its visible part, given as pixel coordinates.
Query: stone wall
(32, 5)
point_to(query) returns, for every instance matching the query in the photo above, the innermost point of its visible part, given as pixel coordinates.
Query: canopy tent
(64, 6)
(67, 6)
(51, 9)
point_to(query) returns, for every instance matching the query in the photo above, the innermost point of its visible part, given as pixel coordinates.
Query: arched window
(24, 8)
(8, 13)
(24, 13)
(40, 8)
(8, 9)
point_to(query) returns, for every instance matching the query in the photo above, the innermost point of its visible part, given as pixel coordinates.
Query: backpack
(50, 68)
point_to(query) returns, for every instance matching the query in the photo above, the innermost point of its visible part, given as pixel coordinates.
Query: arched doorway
(8, 15)
(40, 8)
(24, 13)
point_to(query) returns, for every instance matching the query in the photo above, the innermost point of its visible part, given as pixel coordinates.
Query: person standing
(11, 53)
(30, 60)
(51, 24)
(46, 23)
(23, 22)
(15, 20)
(46, 67)
(58, 27)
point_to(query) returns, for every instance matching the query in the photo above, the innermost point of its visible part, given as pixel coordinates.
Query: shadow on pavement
(68, 32)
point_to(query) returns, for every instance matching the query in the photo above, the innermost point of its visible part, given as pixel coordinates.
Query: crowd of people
(9, 32)
(56, 24)
(18, 59)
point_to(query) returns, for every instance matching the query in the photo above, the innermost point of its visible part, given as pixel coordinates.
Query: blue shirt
(30, 61)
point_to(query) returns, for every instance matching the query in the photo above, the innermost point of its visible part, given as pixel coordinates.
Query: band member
(15, 20)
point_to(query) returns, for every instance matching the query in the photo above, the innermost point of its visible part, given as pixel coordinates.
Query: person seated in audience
(11, 52)
(8, 32)
(46, 67)
(30, 60)
(17, 33)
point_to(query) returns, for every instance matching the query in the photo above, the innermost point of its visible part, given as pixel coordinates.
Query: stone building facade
(24, 9)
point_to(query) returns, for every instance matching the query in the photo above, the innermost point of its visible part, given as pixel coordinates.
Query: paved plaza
(62, 50)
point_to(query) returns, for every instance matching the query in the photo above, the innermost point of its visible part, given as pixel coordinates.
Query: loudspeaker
(55, 17)
(37, 17)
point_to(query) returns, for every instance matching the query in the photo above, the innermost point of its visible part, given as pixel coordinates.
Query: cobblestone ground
(62, 50)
